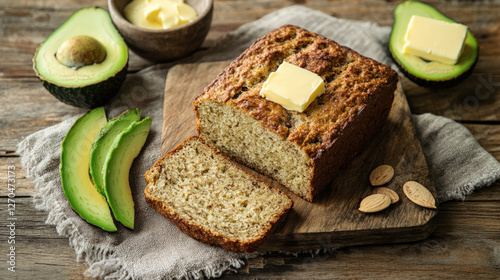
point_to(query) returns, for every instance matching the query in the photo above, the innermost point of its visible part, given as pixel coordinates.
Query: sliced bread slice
(212, 200)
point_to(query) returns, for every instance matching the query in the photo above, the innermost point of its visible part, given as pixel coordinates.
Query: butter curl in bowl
(162, 31)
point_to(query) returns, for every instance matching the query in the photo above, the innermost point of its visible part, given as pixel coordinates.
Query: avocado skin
(91, 96)
(431, 83)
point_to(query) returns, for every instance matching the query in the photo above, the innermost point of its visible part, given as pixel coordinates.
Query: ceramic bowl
(164, 45)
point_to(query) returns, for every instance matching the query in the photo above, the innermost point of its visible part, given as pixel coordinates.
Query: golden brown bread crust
(203, 234)
(359, 92)
(206, 236)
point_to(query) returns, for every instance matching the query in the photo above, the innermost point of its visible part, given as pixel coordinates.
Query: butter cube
(435, 40)
(292, 87)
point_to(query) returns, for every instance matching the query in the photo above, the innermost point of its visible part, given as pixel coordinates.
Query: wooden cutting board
(333, 219)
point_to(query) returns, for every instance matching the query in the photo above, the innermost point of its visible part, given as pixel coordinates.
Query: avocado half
(91, 84)
(423, 72)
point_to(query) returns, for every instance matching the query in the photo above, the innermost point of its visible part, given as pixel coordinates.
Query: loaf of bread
(303, 151)
(210, 199)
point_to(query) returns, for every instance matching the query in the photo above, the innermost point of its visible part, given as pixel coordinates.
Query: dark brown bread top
(351, 81)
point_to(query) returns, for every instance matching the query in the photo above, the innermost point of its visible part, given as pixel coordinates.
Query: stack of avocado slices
(96, 158)
(423, 72)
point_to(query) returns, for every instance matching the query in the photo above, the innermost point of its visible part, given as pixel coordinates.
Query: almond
(388, 192)
(381, 175)
(374, 203)
(419, 194)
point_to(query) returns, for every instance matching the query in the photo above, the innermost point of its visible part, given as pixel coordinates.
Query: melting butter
(292, 87)
(159, 14)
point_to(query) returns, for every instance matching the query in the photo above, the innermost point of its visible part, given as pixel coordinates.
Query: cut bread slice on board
(212, 200)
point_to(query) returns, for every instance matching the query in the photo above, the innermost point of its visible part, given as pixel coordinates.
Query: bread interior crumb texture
(205, 188)
(243, 138)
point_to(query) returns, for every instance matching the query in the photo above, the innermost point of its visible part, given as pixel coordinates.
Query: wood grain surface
(334, 215)
(466, 241)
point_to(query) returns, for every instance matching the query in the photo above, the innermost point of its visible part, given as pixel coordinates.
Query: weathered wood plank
(13, 178)
(488, 136)
(465, 243)
(27, 107)
(26, 24)
(491, 193)
(474, 99)
(40, 253)
(45, 110)
(459, 246)
(24, 186)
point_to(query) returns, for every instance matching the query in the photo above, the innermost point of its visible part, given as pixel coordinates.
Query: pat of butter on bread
(293, 87)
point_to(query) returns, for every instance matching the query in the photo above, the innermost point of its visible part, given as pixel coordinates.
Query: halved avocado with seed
(84, 62)
(420, 71)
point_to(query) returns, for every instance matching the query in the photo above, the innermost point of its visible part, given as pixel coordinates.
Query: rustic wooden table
(465, 244)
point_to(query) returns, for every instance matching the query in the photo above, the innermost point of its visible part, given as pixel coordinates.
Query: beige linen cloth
(156, 249)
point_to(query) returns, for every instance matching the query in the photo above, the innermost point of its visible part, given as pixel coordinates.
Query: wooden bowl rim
(127, 24)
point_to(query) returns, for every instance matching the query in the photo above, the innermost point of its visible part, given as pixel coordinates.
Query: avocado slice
(117, 167)
(103, 142)
(420, 71)
(83, 62)
(74, 169)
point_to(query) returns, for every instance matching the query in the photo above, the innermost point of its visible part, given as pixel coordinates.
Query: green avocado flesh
(117, 167)
(76, 183)
(103, 142)
(88, 86)
(428, 73)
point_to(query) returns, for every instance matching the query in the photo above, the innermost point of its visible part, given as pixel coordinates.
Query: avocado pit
(79, 51)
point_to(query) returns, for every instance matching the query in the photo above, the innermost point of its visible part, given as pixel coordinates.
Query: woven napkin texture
(156, 249)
